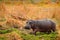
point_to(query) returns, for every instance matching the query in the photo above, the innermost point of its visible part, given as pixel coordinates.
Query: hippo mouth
(27, 28)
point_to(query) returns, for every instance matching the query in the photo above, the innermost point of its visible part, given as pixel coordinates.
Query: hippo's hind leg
(53, 28)
(48, 32)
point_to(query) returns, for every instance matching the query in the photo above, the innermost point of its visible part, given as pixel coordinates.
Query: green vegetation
(39, 36)
(2, 19)
(27, 36)
(51, 36)
(5, 31)
(3, 38)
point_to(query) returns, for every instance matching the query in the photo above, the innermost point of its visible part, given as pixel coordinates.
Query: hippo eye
(30, 22)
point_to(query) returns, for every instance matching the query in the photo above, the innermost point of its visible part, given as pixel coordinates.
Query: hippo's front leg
(34, 31)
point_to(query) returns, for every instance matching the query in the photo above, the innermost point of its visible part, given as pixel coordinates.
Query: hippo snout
(26, 27)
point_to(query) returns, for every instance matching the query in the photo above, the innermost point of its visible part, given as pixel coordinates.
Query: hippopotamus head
(29, 23)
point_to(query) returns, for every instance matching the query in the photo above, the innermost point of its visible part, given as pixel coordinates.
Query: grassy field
(5, 35)
(14, 15)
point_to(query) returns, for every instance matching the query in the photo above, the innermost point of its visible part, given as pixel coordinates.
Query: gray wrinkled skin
(44, 25)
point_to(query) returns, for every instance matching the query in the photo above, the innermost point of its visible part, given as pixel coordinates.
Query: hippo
(43, 25)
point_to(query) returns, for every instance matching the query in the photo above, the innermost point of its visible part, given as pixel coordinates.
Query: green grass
(51, 36)
(39, 36)
(28, 36)
(3, 38)
(2, 19)
(5, 31)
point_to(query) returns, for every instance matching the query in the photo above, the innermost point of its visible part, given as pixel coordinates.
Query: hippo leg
(48, 32)
(34, 31)
(53, 29)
